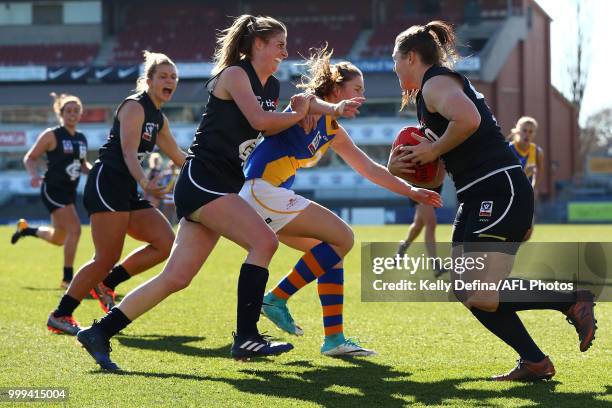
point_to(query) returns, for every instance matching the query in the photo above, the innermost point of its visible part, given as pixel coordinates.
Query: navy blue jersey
(64, 162)
(484, 151)
(224, 137)
(111, 153)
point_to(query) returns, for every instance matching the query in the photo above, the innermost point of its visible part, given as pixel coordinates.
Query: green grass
(430, 354)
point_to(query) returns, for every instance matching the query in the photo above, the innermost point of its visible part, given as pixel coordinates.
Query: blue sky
(598, 92)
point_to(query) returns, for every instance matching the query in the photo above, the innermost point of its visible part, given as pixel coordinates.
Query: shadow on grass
(175, 344)
(365, 383)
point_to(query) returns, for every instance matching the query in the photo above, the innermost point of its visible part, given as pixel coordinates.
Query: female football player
(529, 154)
(241, 105)
(495, 195)
(111, 198)
(305, 225)
(66, 151)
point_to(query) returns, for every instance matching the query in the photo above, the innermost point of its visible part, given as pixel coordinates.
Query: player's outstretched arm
(368, 168)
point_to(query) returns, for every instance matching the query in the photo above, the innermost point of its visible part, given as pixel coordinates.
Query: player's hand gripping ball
(424, 174)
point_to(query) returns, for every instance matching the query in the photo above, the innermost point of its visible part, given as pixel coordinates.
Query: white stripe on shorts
(52, 201)
(199, 186)
(507, 208)
(486, 176)
(98, 189)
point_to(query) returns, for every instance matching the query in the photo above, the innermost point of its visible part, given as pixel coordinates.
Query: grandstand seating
(187, 33)
(56, 54)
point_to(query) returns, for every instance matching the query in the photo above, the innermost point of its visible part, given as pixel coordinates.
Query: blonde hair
(323, 76)
(235, 42)
(522, 120)
(151, 61)
(60, 101)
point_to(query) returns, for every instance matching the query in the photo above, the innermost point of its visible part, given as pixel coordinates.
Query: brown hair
(235, 42)
(323, 76)
(61, 100)
(435, 44)
(151, 61)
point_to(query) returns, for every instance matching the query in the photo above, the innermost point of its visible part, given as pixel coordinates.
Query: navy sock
(534, 299)
(29, 231)
(117, 275)
(251, 287)
(509, 328)
(68, 272)
(114, 321)
(66, 306)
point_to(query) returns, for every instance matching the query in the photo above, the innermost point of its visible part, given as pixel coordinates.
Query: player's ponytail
(434, 42)
(236, 42)
(323, 76)
(60, 101)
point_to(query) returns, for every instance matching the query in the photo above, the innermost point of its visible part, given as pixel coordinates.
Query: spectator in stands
(111, 198)
(529, 154)
(66, 151)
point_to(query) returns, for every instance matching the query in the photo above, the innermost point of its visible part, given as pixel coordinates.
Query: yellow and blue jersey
(277, 158)
(528, 158)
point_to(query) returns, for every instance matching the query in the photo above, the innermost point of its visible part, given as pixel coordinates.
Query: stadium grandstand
(93, 49)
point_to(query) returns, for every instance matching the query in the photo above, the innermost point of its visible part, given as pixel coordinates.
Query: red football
(424, 173)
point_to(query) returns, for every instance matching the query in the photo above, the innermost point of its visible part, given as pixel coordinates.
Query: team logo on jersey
(74, 170)
(314, 145)
(82, 150)
(67, 145)
(486, 209)
(291, 203)
(149, 129)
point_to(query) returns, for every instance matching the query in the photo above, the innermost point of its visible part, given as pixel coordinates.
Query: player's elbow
(472, 122)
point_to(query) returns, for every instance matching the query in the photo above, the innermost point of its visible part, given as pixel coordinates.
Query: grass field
(430, 354)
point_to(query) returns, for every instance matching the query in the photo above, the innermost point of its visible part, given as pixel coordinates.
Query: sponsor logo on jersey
(267, 104)
(486, 209)
(67, 146)
(149, 129)
(82, 150)
(314, 145)
(246, 147)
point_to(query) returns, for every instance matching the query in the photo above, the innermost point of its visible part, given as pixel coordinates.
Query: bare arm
(444, 95)
(539, 166)
(234, 84)
(131, 118)
(45, 142)
(167, 144)
(364, 165)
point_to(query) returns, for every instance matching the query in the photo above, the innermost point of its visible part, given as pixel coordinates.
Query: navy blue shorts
(498, 208)
(54, 197)
(109, 190)
(198, 184)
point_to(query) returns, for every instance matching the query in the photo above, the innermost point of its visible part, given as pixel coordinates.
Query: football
(425, 174)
